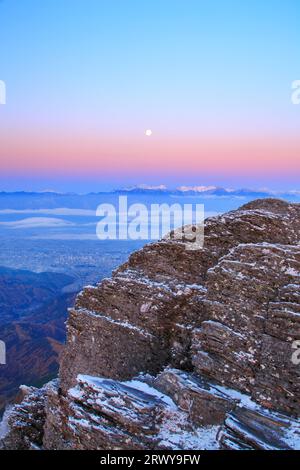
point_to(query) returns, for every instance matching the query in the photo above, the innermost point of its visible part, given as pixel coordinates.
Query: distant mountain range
(32, 201)
(142, 188)
(208, 190)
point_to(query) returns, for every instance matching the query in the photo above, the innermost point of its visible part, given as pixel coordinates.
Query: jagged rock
(151, 319)
(246, 429)
(232, 346)
(202, 400)
(283, 320)
(100, 413)
(22, 426)
(153, 303)
(277, 382)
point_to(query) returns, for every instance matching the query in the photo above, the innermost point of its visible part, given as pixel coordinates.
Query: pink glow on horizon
(65, 153)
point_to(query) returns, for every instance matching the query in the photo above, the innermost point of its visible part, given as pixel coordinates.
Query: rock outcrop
(22, 427)
(257, 429)
(186, 349)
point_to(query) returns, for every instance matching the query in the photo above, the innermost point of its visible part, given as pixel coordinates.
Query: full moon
(148, 132)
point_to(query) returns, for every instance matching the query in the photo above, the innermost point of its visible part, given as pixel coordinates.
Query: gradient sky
(86, 78)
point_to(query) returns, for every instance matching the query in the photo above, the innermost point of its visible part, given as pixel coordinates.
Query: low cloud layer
(37, 222)
(64, 211)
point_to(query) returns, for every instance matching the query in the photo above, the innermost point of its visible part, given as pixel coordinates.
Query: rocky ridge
(182, 349)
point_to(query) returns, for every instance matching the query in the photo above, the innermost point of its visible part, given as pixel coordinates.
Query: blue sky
(97, 73)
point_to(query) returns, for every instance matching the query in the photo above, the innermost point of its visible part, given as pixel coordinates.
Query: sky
(212, 79)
